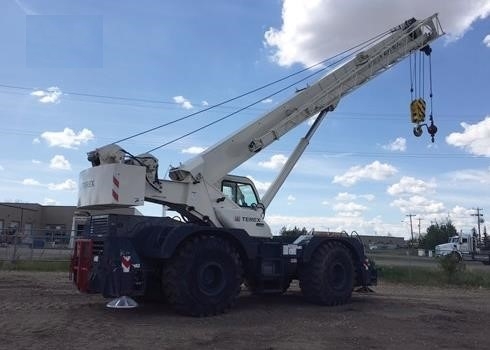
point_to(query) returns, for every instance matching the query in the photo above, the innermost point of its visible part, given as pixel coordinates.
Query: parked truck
(464, 247)
(221, 240)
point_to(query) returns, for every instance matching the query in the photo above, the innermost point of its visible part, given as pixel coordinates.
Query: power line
(343, 153)
(153, 101)
(75, 93)
(343, 54)
(348, 115)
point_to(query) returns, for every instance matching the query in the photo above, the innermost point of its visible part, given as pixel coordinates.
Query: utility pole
(411, 227)
(479, 220)
(419, 219)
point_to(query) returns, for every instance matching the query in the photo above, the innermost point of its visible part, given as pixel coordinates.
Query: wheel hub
(211, 279)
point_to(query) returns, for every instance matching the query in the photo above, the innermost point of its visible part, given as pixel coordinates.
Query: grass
(414, 275)
(433, 276)
(35, 265)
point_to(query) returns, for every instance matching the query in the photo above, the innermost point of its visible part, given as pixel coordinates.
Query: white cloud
(325, 202)
(204, 103)
(368, 197)
(59, 162)
(418, 205)
(193, 150)
(36, 141)
(2, 168)
(31, 182)
(312, 29)
(409, 185)
(35, 161)
(375, 171)
(462, 218)
(475, 138)
(67, 138)
(262, 187)
(349, 209)
(68, 185)
(50, 95)
(471, 175)
(336, 223)
(486, 40)
(400, 144)
(275, 162)
(345, 196)
(319, 223)
(267, 100)
(460, 211)
(291, 199)
(50, 201)
(183, 102)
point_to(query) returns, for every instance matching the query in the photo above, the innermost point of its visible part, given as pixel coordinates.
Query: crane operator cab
(242, 207)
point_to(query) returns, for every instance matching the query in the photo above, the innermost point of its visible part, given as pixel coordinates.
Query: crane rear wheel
(204, 276)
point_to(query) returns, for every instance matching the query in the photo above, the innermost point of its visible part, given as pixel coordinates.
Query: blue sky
(63, 64)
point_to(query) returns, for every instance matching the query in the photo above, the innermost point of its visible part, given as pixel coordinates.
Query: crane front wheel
(328, 279)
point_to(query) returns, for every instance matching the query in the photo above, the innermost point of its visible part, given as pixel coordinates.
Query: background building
(40, 224)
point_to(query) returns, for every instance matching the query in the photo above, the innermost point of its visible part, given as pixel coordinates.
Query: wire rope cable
(358, 48)
(355, 49)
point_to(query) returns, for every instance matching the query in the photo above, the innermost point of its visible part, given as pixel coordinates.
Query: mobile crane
(199, 262)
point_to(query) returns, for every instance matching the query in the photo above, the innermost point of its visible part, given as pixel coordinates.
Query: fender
(311, 242)
(366, 273)
(162, 241)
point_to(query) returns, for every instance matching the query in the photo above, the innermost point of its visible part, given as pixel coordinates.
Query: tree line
(437, 233)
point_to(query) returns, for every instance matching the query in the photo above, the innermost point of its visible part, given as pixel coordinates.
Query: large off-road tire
(328, 279)
(204, 277)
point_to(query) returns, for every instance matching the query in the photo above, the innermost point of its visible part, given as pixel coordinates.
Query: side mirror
(258, 206)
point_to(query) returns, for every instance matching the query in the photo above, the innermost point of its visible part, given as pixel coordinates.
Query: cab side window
(240, 193)
(228, 189)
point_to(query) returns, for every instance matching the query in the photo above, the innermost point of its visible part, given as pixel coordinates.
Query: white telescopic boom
(217, 161)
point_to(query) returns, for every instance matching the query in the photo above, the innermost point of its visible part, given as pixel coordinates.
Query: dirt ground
(41, 310)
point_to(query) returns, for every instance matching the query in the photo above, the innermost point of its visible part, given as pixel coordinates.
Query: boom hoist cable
(417, 91)
(322, 65)
(343, 56)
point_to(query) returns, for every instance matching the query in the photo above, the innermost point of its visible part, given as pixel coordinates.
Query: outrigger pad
(123, 302)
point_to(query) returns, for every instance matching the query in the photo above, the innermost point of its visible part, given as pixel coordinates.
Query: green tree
(438, 234)
(296, 231)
